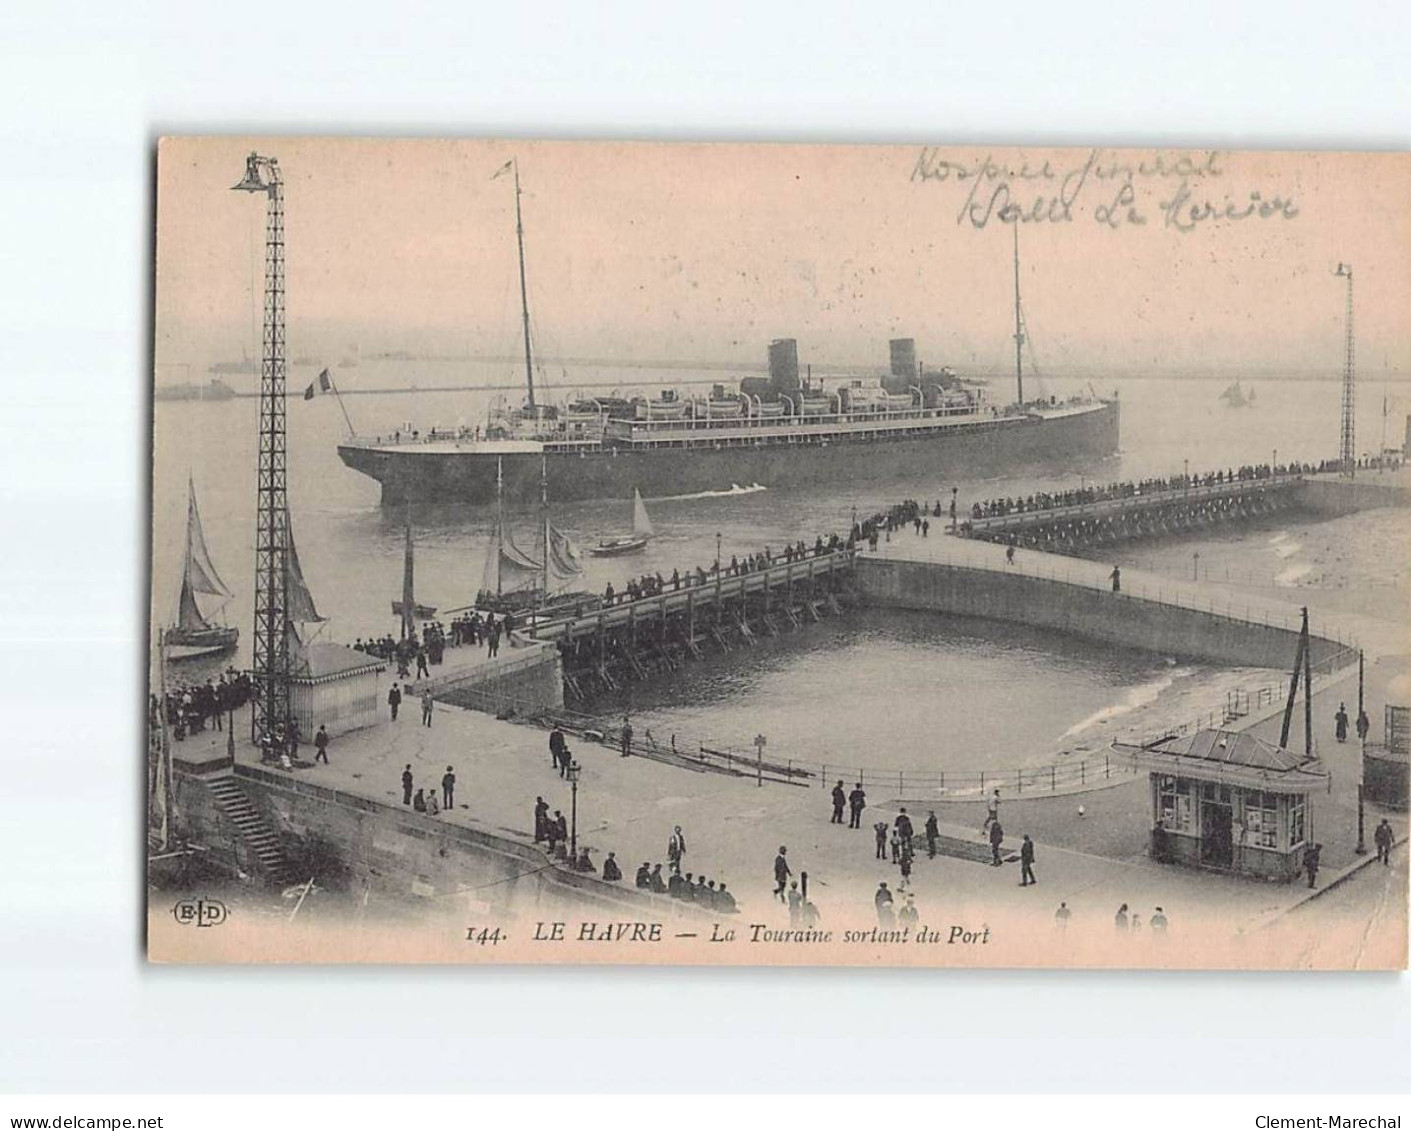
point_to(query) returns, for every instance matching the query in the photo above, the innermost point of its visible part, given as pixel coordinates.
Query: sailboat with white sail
(195, 633)
(633, 543)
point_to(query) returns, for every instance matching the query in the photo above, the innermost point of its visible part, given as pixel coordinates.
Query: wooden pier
(1154, 514)
(632, 640)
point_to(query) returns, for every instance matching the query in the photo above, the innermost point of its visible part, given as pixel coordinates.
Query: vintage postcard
(779, 554)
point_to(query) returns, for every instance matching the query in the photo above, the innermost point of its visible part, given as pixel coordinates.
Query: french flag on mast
(322, 384)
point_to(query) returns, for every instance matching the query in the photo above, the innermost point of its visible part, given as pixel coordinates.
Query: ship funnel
(903, 357)
(784, 364)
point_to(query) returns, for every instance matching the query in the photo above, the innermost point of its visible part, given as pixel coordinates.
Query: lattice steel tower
(1347, 454)
(271, 640)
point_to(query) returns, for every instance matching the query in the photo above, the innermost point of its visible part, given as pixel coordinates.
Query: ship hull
(422, 474)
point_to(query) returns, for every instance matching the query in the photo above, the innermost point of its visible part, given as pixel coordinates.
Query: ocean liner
(783, 430)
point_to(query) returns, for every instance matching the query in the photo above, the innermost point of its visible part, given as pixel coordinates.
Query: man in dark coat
(996, 839)
(1340, 723)
(321, 745)
(644, 876)
(1026, 863)
(933, 832)
(448, 789)
(1311, 860)
(883, 902)
(904, 830)
(782, 872)
(407, 785)
(840, 800)
(556, 746)
(857, 801)
(394, 700)
(1384, 838)
(611, 871)
(541, 819)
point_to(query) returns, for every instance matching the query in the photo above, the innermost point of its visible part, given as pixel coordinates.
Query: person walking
(782, 872)
(857, 802)
(904, 830)
(407, 785)
(996, 839)
(1311, 860)
(676, 849)
(321, 745)
(1384, 838)
(883, 902)
(448, 789)
(557, 746)
(991, 812)
(626, 737)
(1116, 576)
(541, 820)
(1340, 723)
(1026, 863)
(427, 706)
(840, 800)
(933, 832)
(394, 700)
(880, 828)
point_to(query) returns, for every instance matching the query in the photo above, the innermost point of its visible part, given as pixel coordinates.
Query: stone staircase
(259, 838)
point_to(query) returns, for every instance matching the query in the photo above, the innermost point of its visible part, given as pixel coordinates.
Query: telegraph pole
(270, 718)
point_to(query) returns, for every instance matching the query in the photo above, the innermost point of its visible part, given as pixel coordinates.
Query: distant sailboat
(1235, 397)
(642, 533)
(194, 635)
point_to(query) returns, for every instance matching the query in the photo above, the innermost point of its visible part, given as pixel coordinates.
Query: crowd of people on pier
(189, 708)
(655, 584)
(425, 647)
(1137, 488)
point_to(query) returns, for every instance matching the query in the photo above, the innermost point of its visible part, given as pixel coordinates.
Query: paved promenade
(733, 829)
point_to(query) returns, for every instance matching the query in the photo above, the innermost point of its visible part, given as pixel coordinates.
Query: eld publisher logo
(199, 912)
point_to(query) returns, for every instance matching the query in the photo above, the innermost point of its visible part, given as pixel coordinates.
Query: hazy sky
(646, 250)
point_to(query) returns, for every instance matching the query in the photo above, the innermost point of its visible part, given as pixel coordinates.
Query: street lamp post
(1361, 848)
(573, 771)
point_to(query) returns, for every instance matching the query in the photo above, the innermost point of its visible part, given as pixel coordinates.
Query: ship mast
(523, 290)
(544, 502)
(1018, 325)
(499, 523)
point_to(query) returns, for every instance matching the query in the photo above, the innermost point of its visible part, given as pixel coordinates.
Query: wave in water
(1134, 700)
(735, 489)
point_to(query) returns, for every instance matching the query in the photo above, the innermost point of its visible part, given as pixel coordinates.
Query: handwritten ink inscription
(1182, 193)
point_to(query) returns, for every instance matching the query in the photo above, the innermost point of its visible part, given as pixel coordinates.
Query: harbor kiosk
(1386, 767)
(1226, 800)
(333, 686)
